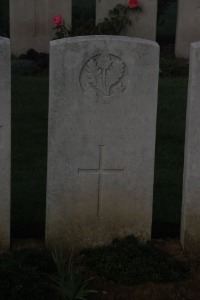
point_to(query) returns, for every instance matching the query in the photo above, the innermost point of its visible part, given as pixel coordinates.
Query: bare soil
(188, 289)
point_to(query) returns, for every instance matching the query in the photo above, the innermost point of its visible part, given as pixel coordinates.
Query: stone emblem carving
(104, 74)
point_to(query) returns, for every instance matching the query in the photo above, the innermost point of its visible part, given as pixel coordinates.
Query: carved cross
(1, 135)
(100, 172)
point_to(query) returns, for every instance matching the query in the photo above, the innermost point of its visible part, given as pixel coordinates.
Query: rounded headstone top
(4, 40)
(104, 38)
(195, 45)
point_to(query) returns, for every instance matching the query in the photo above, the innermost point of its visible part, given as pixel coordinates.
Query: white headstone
(190, 229)
(188, 24)
(5, 143)
(102, 124)
(143, 22)
(31, 23)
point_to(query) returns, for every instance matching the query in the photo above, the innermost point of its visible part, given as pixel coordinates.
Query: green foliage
(39, 61)
(61, 31)
(174, 66)
(68, 283)
(30, 63)
(116, 21)
(29, 155)
(169, 155)
(22, 67)
(82, 27)
(128, 261)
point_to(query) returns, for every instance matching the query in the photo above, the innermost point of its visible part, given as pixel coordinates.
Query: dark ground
(187, 289)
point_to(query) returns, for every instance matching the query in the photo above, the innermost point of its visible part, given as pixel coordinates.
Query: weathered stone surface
(102, 122)
(143, 23)
(31, 23)
(5, 138)
(188, 24)
(190, 228)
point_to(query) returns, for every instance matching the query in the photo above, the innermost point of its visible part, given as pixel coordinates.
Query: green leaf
(69, 283)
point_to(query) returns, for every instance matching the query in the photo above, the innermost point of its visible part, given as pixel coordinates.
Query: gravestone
(31, 23)
(143, 22)
(188, 24)
(5, 138)
(190, 228)
(101, 141)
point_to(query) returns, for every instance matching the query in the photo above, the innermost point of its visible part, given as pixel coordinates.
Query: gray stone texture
(143, 23)
(5, 143)
(101, 142)
(188, 24)
(31, 23)
(190, 228)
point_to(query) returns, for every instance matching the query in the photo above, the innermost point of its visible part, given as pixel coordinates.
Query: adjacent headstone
(188, 24)
(101, 142)
(31, 23)
(5, 143)
(190, 229)
(143, 22)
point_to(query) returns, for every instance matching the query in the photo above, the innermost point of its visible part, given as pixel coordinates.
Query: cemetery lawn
(169, 156)
(29, 155)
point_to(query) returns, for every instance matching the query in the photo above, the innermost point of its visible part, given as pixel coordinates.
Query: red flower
(58, 20)
(133, 3)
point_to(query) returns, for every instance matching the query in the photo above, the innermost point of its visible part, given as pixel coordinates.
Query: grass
(29, 155)
(169, 156)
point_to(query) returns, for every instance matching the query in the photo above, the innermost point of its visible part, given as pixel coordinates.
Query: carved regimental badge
(104, 75)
